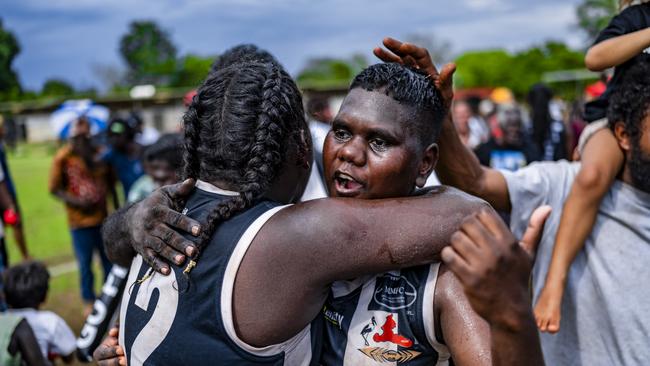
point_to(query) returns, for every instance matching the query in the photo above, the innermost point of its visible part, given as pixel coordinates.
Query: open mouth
(346, 184)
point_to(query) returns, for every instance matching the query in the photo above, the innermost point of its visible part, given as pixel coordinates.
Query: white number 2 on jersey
(155, 331)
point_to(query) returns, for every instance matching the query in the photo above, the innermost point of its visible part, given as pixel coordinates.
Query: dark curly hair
(411, 87)
(26, 285)
(238, 130)
(242, 53)
(629, 102)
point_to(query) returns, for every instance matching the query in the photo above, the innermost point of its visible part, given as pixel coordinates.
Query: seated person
(18, 346)
(26, 287)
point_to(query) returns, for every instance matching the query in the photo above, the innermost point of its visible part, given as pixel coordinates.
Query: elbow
(593, 61)
(592, 178)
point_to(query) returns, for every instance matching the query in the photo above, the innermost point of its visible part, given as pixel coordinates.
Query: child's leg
(602, 160)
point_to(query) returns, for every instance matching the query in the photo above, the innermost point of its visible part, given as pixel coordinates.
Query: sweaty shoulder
(453, 196)
(62, 153)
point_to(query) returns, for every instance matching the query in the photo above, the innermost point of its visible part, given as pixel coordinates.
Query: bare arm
(615, 51)
(465, 333)
(321, 241)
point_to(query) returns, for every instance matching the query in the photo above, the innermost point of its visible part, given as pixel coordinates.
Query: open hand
(156, 227)
(493, 267)
(419, 58)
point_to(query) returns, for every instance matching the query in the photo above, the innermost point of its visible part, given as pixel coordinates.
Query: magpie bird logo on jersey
(393, 292)
(387, 333)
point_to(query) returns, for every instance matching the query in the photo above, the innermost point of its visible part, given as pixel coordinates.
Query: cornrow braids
(238, 129)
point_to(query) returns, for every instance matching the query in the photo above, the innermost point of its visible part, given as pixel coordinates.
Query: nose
(353, 151)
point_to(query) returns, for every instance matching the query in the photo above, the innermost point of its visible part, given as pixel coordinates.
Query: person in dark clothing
(514, 151)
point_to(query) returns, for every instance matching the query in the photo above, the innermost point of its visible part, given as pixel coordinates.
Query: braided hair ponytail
(238, 129)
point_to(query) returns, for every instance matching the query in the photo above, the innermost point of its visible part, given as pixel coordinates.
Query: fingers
(456, 263)
(165, 251)
(386, 56)
(465, 247)
(173, 239)
(158, 265)
(535, 228)
(492, 222)
(179, 221)
(476, 232)
(180, 190)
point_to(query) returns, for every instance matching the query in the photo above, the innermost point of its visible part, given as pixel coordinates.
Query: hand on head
(493, 267)
(419, 58)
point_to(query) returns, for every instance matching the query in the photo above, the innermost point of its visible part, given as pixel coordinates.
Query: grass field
(46, 229)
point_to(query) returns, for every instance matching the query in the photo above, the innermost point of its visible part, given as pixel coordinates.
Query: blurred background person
(83, 182)
(124, 153)
(514, 150)
(12, 216)
(162, 163)
(549, 131)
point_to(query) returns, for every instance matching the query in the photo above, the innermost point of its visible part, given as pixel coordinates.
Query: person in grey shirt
(605, 309)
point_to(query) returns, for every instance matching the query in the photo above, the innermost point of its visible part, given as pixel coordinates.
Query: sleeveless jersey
(183, 319)
(385, 319)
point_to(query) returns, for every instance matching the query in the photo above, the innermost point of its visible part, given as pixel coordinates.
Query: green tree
(330, 72)
(594, 15)
(149, 53)
(56, 87)
(9, 49)
(517, 71)
(192, 70)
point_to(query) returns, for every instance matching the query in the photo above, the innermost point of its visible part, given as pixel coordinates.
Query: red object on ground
(10, 217)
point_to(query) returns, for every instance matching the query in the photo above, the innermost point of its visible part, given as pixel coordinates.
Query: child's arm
(617, 50)
(602, 160)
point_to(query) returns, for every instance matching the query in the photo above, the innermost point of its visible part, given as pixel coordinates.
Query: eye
(341, 134)
(378, 145)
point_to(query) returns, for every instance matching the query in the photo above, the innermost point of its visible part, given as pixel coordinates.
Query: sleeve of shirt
(545, 183)
(627, 21)
(63, 340)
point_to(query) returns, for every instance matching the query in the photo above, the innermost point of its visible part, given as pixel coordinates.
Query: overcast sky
(68, 38)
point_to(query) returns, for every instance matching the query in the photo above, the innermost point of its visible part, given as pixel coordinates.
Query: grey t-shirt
(606, 306)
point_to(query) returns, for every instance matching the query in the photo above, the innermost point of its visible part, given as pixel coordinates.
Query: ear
(427, 164)
(622, 136)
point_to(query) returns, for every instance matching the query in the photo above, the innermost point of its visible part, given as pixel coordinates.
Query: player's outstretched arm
(494, 270)
(318, 242)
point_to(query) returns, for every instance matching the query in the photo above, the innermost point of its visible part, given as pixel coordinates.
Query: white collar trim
(205, 186)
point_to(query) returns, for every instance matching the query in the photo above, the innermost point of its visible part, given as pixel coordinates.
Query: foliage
(56, 87)
(192, 70)
(9, 49)
(517, 71)
(594, 15)
(330, 72)
(149, 53)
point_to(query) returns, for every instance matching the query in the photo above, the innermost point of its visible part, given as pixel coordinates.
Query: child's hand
(419, 58)
(109, 353)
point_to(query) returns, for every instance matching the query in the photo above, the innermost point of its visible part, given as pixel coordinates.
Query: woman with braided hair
(262, 268)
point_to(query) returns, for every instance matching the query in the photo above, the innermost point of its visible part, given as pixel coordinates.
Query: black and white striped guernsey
(188, 320)
(382, 320)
